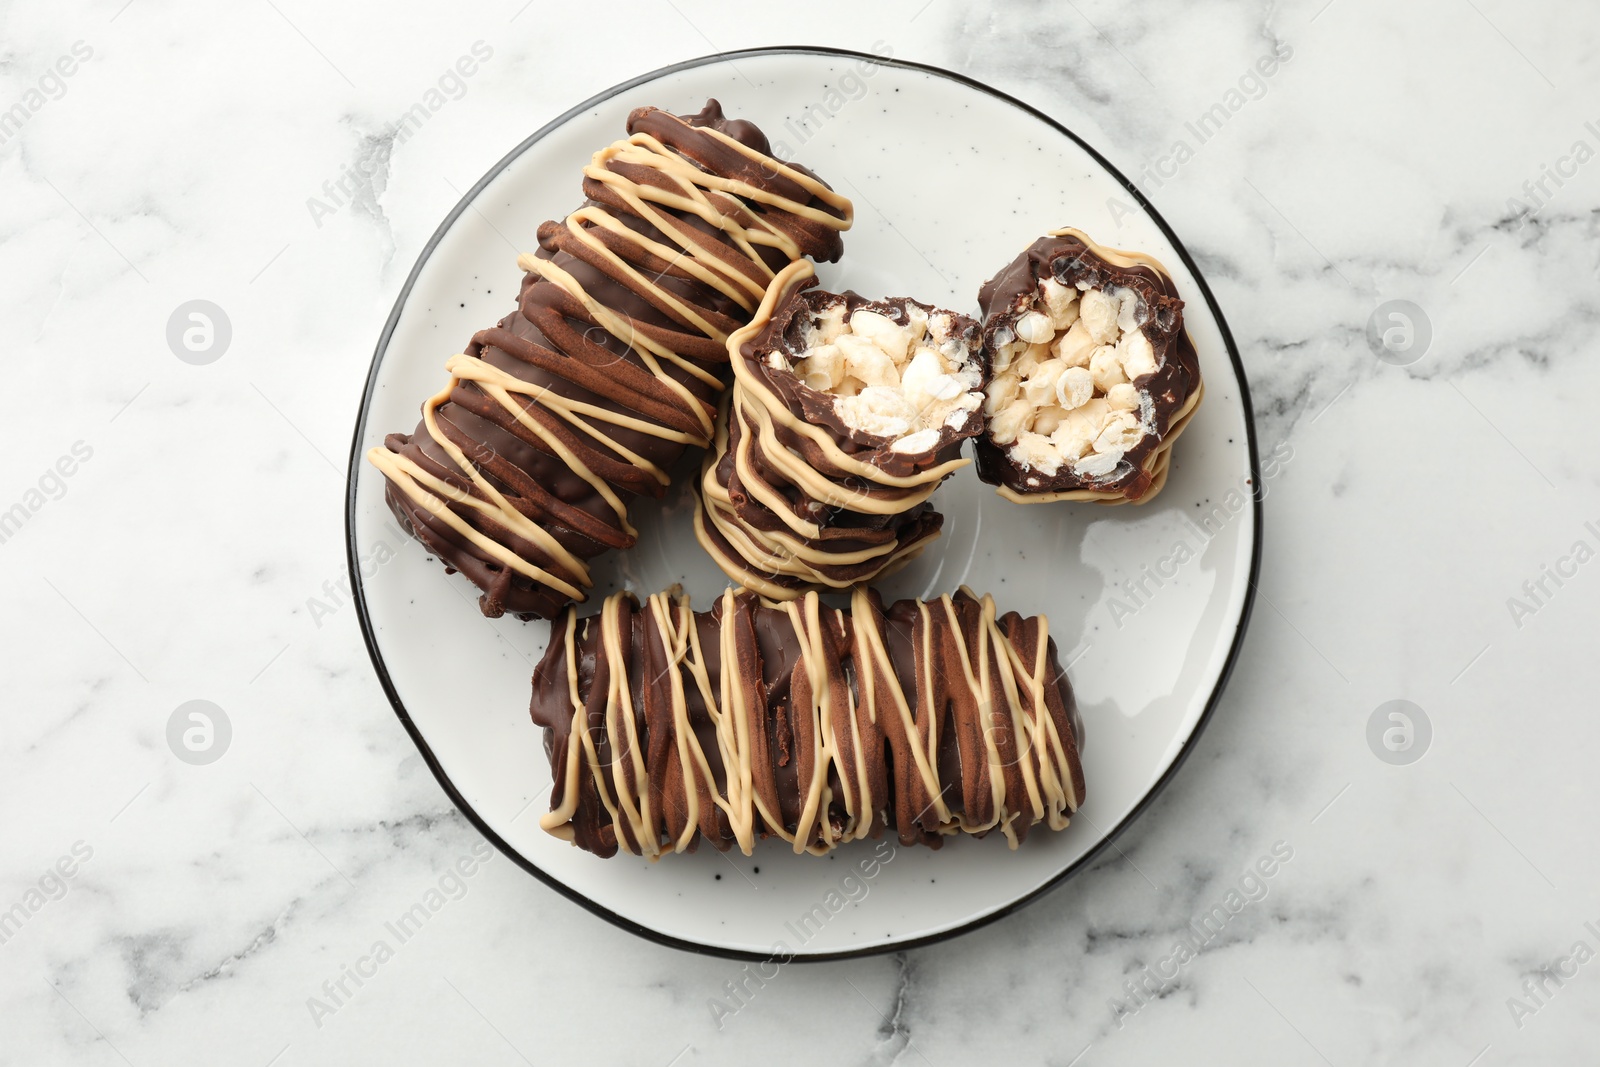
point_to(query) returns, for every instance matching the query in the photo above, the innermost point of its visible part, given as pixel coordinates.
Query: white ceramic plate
(950, 181)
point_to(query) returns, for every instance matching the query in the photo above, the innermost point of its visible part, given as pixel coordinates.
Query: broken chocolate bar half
(1093, 375)
(845, 415)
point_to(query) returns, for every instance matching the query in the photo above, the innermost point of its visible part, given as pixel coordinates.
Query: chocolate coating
(612, 362)
(666, 726)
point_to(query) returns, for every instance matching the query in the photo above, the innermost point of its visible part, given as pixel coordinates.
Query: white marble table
(180, 539)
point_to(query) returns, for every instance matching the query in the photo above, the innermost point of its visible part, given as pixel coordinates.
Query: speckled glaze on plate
(1148, 604)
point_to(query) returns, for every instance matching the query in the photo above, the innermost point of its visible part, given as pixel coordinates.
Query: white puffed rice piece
(920, 441)
(1034, 327)
(1045, 420)
(892, 338)
(1005, 426)
(1060, 303)
(867, 361)
(1072, 437)
(1037, 451)
(1123, 397)
(1120, 434)
(1138, 355)
(1075, 387)
(1106, 368)
(1076, 345)
(877, 409)
(1099, 313)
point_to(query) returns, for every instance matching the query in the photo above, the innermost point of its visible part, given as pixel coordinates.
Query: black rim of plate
(357, 453)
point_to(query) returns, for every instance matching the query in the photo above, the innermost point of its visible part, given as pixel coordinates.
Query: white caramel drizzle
(713, 198)
(680, 185)
(758, 553)
(1006, 686)
(434, 495)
